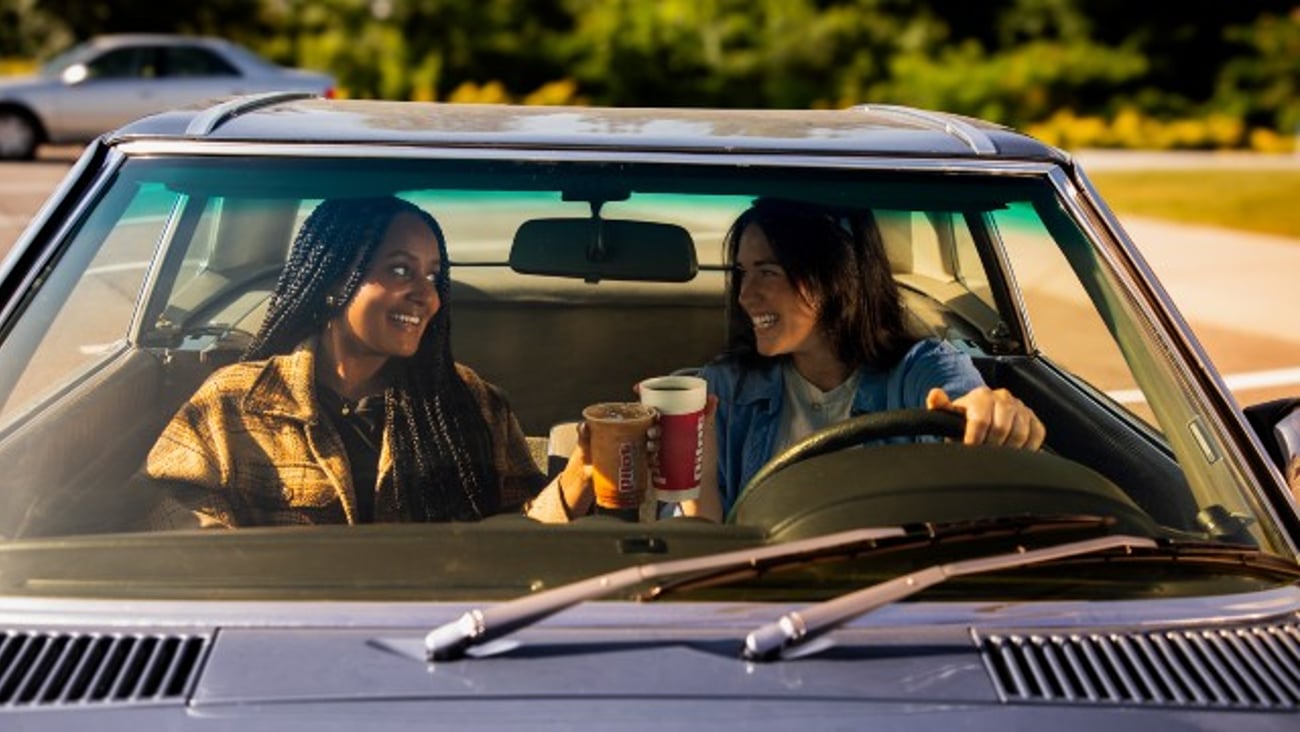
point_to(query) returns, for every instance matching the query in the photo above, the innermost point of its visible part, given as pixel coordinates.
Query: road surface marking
(1234, 382)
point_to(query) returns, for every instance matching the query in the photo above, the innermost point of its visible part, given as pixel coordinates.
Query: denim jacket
(750, 401)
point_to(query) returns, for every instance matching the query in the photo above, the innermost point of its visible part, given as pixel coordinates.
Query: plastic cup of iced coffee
(620, 474)
(680, 401)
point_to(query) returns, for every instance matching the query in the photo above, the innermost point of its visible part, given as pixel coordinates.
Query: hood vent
(1252, 667)
(60, 669)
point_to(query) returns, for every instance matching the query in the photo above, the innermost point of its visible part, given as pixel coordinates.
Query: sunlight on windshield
(1064, 321)
(167, 286)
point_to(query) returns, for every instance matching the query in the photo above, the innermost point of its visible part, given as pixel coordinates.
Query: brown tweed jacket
(251, 448)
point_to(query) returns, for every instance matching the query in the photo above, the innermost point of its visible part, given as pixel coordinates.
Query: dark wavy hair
(837, 258)
(442, 448)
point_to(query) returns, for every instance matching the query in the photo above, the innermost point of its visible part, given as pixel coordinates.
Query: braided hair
(839, 259)
(441, 446)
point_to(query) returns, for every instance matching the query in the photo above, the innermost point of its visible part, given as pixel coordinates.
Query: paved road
(25, 186)
(1095, 160)
(1237, 290)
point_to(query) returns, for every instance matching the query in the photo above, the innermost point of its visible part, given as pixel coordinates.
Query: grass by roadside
(1260, 200)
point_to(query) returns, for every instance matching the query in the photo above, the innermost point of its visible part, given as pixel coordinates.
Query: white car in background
(105, 82)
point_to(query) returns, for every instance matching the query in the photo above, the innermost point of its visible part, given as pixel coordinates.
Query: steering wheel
(863, 428)
(817, 486)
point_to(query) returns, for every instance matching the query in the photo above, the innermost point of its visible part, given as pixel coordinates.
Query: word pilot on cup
(680, 401)
(620, 473)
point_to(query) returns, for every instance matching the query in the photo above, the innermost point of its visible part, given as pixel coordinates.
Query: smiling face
(784, 320)
(397, 298)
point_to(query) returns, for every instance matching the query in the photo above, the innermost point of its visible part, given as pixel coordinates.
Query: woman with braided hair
(347, 406)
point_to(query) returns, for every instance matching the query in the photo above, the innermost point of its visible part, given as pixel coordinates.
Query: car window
(1064, 323)
(124, 63)
(83, 313)
(168, 279)
(194, 61)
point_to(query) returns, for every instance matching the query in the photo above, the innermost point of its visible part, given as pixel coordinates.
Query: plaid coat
(251, 448)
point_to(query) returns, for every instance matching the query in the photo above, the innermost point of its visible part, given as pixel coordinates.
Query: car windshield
(247, 57)
(75, 54)
(165, 276)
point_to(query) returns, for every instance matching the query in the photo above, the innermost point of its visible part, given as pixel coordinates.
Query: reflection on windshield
(350, 342)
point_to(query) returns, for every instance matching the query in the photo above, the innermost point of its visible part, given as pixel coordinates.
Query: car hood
(1172, 664)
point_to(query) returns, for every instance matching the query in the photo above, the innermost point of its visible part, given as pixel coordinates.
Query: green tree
(26, 32)
(1015, 61)
(421, 49)
(759, 53)
(84, 19)
(1263, 86)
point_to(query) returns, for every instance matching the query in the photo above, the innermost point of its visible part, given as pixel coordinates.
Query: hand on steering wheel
(839, 489)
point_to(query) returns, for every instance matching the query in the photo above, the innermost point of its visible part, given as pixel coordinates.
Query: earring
(331, 301)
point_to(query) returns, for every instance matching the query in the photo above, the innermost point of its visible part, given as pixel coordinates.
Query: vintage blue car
(1138, 572)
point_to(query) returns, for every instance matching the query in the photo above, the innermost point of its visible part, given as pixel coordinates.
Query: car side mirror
(75, 74)
(1277, 424)
(596, 249)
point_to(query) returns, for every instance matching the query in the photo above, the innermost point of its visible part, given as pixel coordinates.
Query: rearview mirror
(596, 249)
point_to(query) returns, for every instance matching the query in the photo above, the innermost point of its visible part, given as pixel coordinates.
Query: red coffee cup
(680, 401)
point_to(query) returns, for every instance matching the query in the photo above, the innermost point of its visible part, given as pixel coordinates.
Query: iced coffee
(618, 433)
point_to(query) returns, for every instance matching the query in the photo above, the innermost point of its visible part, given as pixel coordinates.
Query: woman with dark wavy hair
(817, 335)
(348, 406)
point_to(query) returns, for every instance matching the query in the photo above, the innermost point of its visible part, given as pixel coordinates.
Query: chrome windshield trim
(44, 213)
(112, 161)
(157, 257)
(832, 160)
(1023, 324)
(409, 616)
(1163, 322)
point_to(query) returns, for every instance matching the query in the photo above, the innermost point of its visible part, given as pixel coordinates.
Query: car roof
(113, 40)
(863, 130)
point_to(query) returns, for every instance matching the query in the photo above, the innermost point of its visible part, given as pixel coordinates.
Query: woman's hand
(575, 480)
(993, 417)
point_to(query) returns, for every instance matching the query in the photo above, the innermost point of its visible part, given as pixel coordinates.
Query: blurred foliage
(1227, 197)
(1201, 73)
(28, 33)
(1131, 128)
(1263, 86)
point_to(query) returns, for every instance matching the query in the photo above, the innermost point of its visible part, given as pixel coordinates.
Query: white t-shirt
(807, 409)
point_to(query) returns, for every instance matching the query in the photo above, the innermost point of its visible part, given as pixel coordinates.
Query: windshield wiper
(917, 535)
(1210, 555)
(479, 626)
(800, 626)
